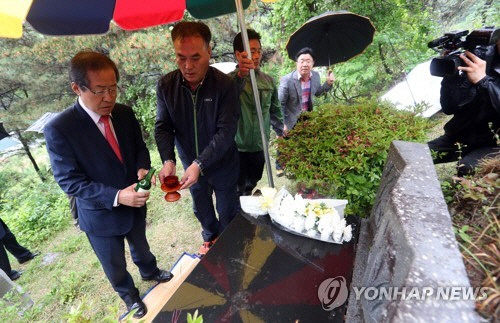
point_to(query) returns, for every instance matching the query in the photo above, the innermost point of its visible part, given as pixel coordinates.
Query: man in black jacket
(473, 98)
(198, 110)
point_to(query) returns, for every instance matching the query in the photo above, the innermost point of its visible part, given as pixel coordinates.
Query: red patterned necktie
(110, 137)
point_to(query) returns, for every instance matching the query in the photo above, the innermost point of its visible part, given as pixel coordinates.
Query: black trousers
(222, 183)
(445, 151)
(251, 168)
(111, 254)
(9, 242)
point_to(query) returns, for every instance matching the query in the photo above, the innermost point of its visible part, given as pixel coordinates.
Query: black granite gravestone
(257, 272)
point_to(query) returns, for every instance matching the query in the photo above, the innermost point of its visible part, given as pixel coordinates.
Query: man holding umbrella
(298, 88)
(324, 40)
(248, 137)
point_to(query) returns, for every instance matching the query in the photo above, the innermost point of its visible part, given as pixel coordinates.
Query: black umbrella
(334, 36)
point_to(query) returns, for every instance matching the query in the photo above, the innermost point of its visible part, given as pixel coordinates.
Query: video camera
(481, 42)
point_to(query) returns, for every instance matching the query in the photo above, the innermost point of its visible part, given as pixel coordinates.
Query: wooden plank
(161, 293)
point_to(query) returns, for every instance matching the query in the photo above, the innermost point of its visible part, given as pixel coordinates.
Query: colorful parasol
(73, 17)
(256, 272)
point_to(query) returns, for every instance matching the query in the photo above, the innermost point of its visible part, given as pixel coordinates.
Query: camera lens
(445, 66)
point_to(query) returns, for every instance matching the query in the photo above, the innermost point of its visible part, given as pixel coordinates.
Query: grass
(475, 206)
(66, 281)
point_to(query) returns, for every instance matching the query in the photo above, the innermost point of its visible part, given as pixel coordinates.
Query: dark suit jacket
(85, 166)
(290, 95)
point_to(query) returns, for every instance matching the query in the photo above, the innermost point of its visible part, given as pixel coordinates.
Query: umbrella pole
(246, 44)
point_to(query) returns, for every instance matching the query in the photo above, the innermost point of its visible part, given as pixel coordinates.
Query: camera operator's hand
(475, 69)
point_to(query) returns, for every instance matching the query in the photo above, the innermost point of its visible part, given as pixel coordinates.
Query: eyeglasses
(113, 91)
(305, 61)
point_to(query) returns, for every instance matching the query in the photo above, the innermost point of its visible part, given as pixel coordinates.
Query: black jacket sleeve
(164, 128)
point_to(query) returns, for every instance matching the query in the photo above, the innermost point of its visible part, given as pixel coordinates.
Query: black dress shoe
(161, 276)
(14, 274)
(140, 308)
(28, 257)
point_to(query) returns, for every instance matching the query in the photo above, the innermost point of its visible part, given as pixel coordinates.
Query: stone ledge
(8, 287)
(408, 242)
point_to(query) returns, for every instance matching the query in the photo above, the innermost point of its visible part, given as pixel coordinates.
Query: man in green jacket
(248, 137)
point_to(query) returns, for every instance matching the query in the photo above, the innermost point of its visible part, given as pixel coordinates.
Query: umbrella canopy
(258, 273)
(224, 67)
(334, 36)
(39, 124)
(71, 17)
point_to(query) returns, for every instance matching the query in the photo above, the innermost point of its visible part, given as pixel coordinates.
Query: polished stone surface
(257, 272)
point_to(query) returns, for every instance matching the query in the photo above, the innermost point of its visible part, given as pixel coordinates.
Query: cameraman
(473, 98)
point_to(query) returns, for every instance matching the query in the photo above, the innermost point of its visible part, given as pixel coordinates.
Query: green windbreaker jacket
(248, 137)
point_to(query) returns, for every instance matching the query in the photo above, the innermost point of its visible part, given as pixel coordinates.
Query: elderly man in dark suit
(97, 155)
(298, 88)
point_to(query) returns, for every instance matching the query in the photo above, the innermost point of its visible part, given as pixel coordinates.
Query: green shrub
(340, 151)
(33, 210)
(141, 95)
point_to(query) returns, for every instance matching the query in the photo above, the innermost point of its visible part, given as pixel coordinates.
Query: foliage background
(340, 150)
(33, 77)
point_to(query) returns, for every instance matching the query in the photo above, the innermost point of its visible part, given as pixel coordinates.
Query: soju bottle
(145, 184)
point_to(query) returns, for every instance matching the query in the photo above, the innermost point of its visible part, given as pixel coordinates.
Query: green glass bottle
(144, 185)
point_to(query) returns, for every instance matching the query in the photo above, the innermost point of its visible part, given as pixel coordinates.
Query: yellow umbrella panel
(12, 15)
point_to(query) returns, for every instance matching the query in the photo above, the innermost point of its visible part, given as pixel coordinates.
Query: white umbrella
(418, 87)
(224, 67)
(39, 124)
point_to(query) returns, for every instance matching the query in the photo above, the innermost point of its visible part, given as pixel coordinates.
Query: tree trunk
(486, 6)
(382, 58)
(26, 147)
